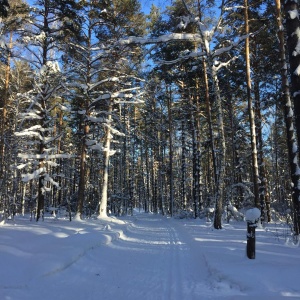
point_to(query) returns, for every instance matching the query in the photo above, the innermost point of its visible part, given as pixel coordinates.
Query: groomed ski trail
(148, 257)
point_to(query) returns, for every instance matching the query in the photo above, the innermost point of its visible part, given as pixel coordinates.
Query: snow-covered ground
(146, 256)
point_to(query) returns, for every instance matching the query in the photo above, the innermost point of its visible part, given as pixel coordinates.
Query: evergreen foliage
(106, 109)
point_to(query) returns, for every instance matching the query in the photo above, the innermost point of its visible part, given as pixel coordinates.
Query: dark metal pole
(251, 239)
(252, 217)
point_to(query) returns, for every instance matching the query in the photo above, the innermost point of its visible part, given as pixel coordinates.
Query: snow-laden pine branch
(161, 39)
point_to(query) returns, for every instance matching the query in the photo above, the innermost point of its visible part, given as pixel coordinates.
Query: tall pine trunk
(103, 200)
(218, 162)
(288, 116)
(170, 121)
(82, 171)
(198, 145)
(264, 195)
(196, 169)
(183, 166)
(255, 174)
(43, 121)
(292, 22)
(220, 172)
(209, 119)
(3, 121)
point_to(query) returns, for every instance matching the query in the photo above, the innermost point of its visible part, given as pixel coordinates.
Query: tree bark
(103, 203)
(264, 195)
(198, 145)
(43, 121)
(3, 121)
(170, 121)
(288, 117)
(183, 166)
(82, 172)
(251, 112)
(292, 23)
(209, 119)
(220, 175)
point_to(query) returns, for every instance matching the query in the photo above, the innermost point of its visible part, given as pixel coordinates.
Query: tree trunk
(43, 121)
(264, 195)
(251, 112)
(198, 145)
(132, 163)
(220, 176)
(161, 174)
(41, 191)
(288, 116)
(59, 168)
(209, 119)
(170, 119)
(196, 169)
(292, 23)
(147, 183)
(103, 201)
(3, 119)
(183, 166)
(125, 163)
(82, 172)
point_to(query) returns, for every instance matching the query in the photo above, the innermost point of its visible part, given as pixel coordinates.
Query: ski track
(166, 242)
(109, 238)
(175, 266)
(179, 259)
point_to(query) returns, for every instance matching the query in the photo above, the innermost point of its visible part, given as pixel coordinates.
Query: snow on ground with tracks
(146, 256)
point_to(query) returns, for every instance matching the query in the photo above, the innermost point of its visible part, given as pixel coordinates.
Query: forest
(189, 111)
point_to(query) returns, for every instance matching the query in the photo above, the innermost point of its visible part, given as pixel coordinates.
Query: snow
(97, 146)
(252, 214)
(35, 174)
(95, 119)
(293, 14)
(297, 48)
(295, 147)
(297, 71)
(161, 39)
(291, 113)
(146, 256)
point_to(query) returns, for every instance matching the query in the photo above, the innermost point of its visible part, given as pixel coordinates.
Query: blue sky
(146, 4)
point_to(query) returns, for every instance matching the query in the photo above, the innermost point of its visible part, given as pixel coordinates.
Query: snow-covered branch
(181, 58)
(218, 65)
(161, 39)
(44, 155)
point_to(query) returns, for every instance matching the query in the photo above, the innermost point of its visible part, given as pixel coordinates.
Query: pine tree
(42, 39)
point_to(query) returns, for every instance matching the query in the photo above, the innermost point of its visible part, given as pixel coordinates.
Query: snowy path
(147, 257)
(153, 259)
